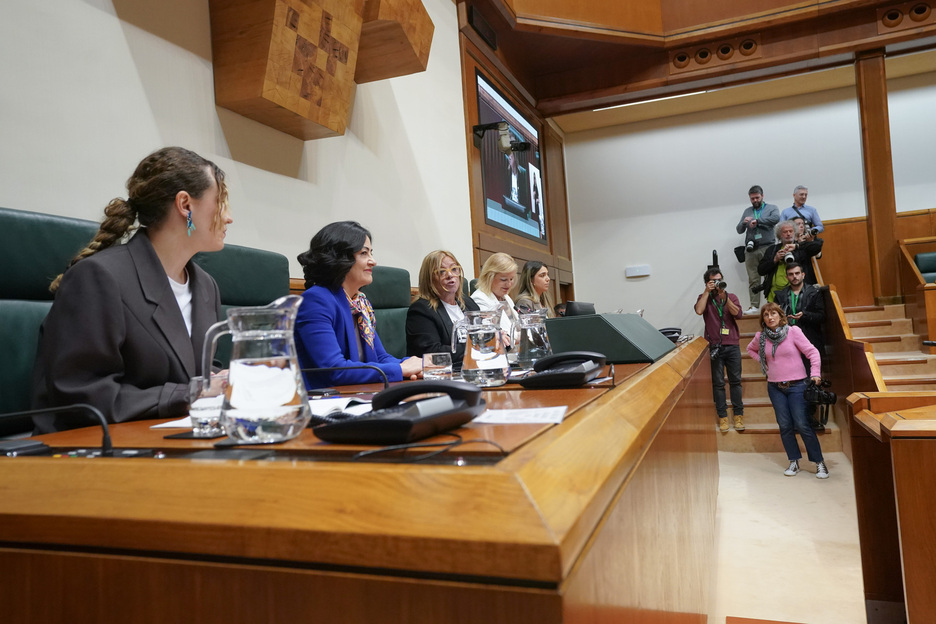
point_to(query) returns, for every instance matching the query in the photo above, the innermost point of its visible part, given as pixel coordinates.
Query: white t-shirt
(183, 295)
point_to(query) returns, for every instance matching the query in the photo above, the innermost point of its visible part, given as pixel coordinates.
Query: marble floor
(787, 547)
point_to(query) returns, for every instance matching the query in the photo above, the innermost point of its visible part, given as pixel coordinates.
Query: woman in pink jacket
(777, 347)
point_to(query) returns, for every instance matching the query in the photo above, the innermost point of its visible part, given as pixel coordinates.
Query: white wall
(88, 88)
(667, 192)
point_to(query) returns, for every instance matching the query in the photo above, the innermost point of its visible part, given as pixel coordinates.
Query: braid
(119, 218)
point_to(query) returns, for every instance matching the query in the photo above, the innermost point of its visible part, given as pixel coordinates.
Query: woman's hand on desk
(411, 367)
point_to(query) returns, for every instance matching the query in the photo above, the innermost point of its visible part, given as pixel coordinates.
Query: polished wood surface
(871, 83)
(395, 40)
(288, 64)
(442, 543)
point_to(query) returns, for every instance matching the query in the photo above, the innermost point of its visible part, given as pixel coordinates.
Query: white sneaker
(794, 468)
(752, 310)
(821, 471)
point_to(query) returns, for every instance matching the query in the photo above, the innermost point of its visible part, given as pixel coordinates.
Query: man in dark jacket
(804, 306)
(783, 253)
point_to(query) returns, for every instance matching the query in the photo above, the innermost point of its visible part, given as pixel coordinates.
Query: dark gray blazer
(430, 331)
(115, 338)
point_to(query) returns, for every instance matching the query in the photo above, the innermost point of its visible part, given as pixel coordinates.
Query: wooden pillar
(871, 83)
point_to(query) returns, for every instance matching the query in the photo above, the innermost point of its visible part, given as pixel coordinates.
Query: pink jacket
(787, 365)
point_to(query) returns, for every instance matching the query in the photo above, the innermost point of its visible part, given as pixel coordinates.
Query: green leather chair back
(390, 297)
(34, 248)
(245, 277)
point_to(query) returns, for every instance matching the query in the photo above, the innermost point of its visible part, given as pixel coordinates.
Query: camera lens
(722, 285)
(789, 259)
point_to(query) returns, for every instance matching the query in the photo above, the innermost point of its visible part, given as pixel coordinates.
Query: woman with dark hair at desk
(533, 295)
(126, 328)
(439, 306)
(335, 326)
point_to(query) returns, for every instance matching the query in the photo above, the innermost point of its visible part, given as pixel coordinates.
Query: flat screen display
(512, 179)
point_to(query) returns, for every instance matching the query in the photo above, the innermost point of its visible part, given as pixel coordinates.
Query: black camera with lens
(814, 231)
(714, 351)
(815, 394)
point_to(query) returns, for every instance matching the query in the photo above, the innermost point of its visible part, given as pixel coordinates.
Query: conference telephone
(565, 370)
(393, 421)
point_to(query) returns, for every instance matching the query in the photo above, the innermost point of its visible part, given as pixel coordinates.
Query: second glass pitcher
(485, 362)
(530, 339)
(265, 399)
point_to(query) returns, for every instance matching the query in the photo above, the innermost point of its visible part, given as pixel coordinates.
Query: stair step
(880, 323)
(863, 309)
(882, 361)
(881, 339)
(766, 439)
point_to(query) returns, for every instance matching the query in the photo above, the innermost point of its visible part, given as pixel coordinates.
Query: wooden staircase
(761, 433)
(897, 350)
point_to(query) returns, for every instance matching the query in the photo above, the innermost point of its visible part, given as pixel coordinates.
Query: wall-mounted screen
(511, 177)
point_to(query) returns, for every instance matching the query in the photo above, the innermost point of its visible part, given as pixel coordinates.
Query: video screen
(511, 176)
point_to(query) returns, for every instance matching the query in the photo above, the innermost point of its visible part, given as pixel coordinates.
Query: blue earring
(189, 225)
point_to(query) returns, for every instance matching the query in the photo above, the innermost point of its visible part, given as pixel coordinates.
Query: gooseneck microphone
(329, 369)
(107, 448)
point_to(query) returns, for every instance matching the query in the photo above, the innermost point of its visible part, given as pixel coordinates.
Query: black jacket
(811, 303)
(430, 331)
(803, 255)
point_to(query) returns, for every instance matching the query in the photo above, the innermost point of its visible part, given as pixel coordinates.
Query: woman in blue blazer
(335, 326)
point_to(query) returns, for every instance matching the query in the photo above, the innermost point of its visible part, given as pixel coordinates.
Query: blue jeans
(729, 359)
(790, 409)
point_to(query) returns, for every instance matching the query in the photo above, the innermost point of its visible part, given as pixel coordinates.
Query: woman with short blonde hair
(498, 275)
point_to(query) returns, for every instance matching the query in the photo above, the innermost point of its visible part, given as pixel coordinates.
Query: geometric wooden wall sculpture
(395, 40)
(290, 64)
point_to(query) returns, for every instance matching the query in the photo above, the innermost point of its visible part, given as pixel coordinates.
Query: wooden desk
(895, 481)
(607, 515)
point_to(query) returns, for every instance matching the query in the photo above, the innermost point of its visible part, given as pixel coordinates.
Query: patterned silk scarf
(364, 316)
(775, 336)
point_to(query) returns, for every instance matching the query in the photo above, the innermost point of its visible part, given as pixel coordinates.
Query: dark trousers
(728, 359)
(790, 410)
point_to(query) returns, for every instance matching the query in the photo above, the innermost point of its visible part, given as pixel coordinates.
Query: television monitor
(512, 181)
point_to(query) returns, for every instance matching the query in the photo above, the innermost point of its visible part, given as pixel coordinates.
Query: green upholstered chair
(390, 297)
(926, 262)
(245, 277)
(34, 248)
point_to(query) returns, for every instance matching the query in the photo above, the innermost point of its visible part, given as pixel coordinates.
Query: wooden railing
(919, 297)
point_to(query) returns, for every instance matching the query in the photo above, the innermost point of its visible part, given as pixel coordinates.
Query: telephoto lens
(789, 259)
(722, 285)
(750, 246)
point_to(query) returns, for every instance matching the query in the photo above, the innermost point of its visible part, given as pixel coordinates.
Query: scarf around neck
(775, 336)
(363, 314)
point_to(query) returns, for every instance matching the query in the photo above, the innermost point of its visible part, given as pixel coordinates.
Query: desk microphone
(107, 448)
(386, 381)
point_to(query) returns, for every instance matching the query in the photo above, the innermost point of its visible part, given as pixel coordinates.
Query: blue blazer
(327, 336)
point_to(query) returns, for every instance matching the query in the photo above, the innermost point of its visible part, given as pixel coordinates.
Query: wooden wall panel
(632, 17)
(845, 261)
(686, 15)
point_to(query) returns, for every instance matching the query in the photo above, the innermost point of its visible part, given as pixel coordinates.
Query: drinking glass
(205, 405)
(437, 366)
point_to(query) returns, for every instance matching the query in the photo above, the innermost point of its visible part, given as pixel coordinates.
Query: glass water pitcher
(485, 363)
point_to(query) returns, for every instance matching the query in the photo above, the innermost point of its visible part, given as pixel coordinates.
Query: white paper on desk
(182, 423)
(352, 405)
(534, 415)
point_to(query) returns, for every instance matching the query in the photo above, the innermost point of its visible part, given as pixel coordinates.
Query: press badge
(724, 331)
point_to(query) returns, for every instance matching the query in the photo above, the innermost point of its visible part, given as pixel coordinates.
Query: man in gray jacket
(757, 224)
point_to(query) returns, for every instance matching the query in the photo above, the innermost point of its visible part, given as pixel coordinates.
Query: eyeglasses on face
(455, 271)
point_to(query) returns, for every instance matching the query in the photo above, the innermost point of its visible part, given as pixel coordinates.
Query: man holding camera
(720, 310)
(804, 307)
(807, 213)
(784, 252)
(757, 224)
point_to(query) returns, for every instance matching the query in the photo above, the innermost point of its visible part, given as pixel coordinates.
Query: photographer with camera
(807, 213)
(778, 348)
(804, 307)
(783, 253)
(757, 224)
(720, 310)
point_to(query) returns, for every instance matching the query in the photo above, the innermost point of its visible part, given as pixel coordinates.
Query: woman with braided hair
(778, 347)
(127, 324)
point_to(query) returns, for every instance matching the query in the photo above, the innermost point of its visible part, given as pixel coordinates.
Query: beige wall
(87, 88)
(666, 192)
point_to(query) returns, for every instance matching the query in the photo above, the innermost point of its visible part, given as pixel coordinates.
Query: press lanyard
(721, 313)
(793, 306)
(757, 214)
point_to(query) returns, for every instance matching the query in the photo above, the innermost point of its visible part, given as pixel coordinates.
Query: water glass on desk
(437, 366)
(205, 405)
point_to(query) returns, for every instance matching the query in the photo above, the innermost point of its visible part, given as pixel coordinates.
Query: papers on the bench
(537, 415)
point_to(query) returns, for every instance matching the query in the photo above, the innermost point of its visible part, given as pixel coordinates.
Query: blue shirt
(808, 211)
